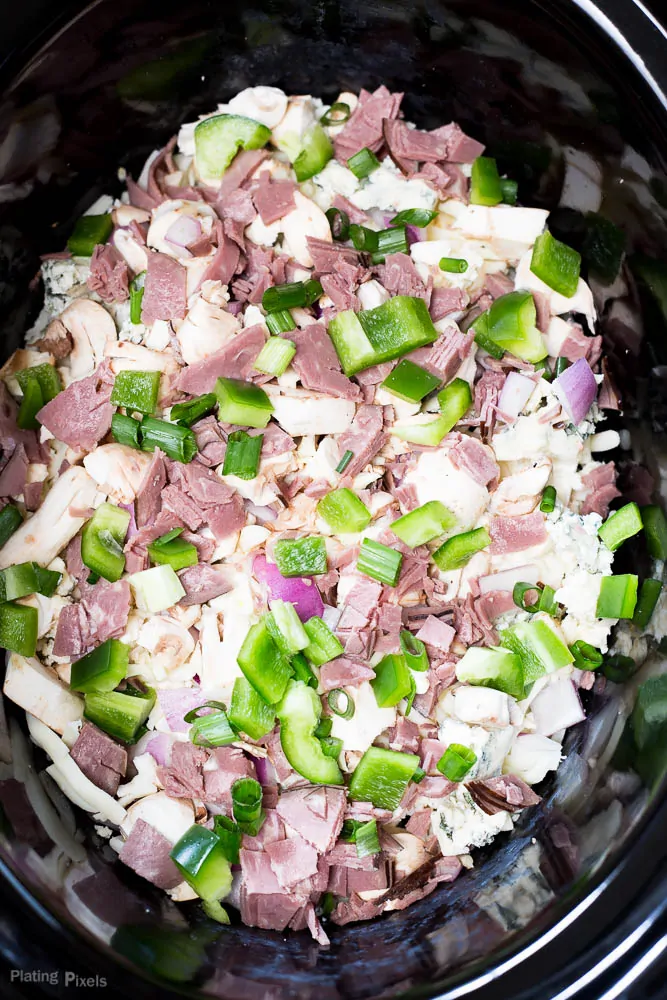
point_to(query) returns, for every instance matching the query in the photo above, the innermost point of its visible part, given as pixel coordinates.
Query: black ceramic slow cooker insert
(572, 904)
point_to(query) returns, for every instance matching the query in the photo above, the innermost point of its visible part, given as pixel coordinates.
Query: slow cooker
(573, 904)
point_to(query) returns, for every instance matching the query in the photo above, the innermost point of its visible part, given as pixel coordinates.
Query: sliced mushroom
(92, 330)
(118, 470)
(205, 330)
(42, 536)
(126, 356)
(307, 219)
(41, 693)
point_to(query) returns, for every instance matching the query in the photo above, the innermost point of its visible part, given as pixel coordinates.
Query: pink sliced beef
(344, 672)
(108, 274)
(513, 534)
(475, 458)
(399, 276)
(235, 360)
(364, 126)
(314, 812)
(149, 498)
(365, 438)
(242, 166)
(202, 583)
(226, 765)
(292, 860)
(317, 364)
(437, 634)
(273, 199)
(102, 760)
(211, 441)
(164, 290)
(81, 414)
(446, 355)
(601, 486)
(226, 259)
(326, 255)
(146, 851)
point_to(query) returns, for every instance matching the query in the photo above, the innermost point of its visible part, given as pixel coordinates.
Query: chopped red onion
(301, 592)
(515, 394)
(132, 526)
(331, 616)
(177, 702)
(159, 747)
(557, 707)
(184, 231)
(576, 388)
(506, 579)
(263, 514)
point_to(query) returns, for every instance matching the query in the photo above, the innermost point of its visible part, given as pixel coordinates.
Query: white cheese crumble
(459, 824)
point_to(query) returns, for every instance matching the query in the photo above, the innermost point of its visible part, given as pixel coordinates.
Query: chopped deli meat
(306, 446)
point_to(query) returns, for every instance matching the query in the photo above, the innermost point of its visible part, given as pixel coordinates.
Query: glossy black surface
(577, 893)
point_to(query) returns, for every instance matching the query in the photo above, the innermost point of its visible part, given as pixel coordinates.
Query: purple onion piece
(300, 591)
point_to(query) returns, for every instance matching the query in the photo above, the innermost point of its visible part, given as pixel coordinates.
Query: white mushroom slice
(205, 330)
(132, 252)
(126, 356)
(519, 494)
(118, 470)
(412, 855)
(263, 104)
(70, 778)
(172, 817)
(170, 212)
(307, 219)
(299, 412)
(288, 133)
(518, 225)
(18, 361)
(93, 331)
(40, 692)
(42, 536)
(169, 644)
(123, 215)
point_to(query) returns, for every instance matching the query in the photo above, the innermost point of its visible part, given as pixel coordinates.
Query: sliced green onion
(102, 541)
(299, 713)
(18, 628)
(419, 775)
(459, 550)
(121, 714)
(414, 651)
(136, 390)
(280, 322)
(323, 728)
(419, 217)
(410, 698)
(102, 669)
(213, 730)
(332, 746)
(367, 840)
(424, 524)
(246, 800)
(381, 777)
(340, 703)
(277, 353)
(393, 680)
(456, 762)
(390, 241)
(156, 589)
(556, 264)
(492, 667)
(10, 521)
(31, 404)
(262, 663)
(301, 556)
(248, 712)
(242, 455)
(586, 656)
(343, 511)
(410, 382)
(126, 430)
(519, 595)
(547, 602)
(548, 500)
(316, 151)
(323, 645)
(344, 462)
(89, 231)
(384, 333)
(363, 239)
(187, 414)
(379, 562)
(646, 604)
(538, 647)
(242, 403)
(290, 625)
(293, 295)
(302, 672)
(230, 836)
(314, 290)
(137, 297)
(175, 441)
(655, 530)
(363, 163)
(453, 265)
(338, 114)
(201, 860)
(546, 372)
(620, 526)
(510, 190)
(619, 669)
(510, 325)
(618, 596)
(339, 223)
(485, 184)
